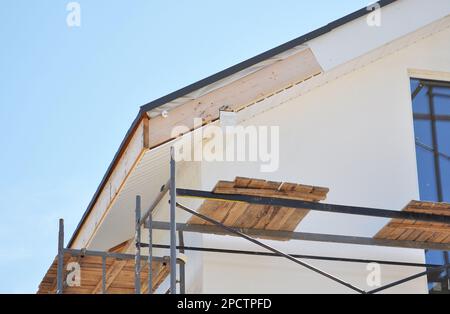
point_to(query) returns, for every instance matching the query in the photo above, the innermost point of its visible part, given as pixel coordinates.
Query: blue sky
(68, 96)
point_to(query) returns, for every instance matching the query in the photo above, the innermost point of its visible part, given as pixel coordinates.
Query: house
(355, 113)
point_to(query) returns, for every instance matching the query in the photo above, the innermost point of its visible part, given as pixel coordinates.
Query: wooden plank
(114, 270)
(408, 234)
(244, 215)
(446, 240)
(53, 271)
(256, 184)
(280, 217)
(420, 227)
(418, 231)
(224, 184)
(211, 208)
(114, 290)
(272, 185)
(396, 233)
(287, 187)
(438, 237)
(305, 189)
(250, 216)
(425, 236)
(235, 212)
(384, 232)
(120, 274)
(111, 275)
(291, 194)
(268, 215)
(236, 95)
(122, 247)
(294, 219)
(241, 182)
(77, 290)
(161, 272)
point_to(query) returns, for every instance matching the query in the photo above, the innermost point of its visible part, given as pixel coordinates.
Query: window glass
(437, 282)
(422, 129)
(427, 175)
(441, 104)
(435, 257)
(420, 102)
(414, 85)
(433, 161)
(442, 90)
(445, 177)
(443, 137)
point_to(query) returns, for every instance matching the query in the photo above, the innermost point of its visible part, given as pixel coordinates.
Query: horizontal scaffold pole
(342, 209)
(309, 257)
(269, 248)
(119, 256)
(155, 203)
(302, 236)
(410, 278)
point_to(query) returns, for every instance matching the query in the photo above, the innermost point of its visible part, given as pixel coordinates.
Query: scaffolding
(176, 260)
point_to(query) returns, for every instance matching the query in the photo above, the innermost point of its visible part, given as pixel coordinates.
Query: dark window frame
(437, 154)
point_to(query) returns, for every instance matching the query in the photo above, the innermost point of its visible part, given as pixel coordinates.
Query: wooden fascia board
(130, 153)
(235, 96)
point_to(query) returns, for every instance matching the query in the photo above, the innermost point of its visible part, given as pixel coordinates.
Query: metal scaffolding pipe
(182, 264)
(173, 235)
(60, 269)
(407, 279)
(303, 256)
(302, 236)
(121, 256)
(103, 274)
(155, 203)
(299, 204)
(267, 247)
(137, 241)
(150, 253)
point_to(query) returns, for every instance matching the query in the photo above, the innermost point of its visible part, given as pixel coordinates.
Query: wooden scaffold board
(419, 231)
(119, 279)
(262, 217)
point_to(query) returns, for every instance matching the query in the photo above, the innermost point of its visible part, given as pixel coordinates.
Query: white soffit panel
(397, 20)
(230, 79)
(146, 180)
(150, 174)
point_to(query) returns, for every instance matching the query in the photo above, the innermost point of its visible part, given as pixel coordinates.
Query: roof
(262, 57)
(214, 79)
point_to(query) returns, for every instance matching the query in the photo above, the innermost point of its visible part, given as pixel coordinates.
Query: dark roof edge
(210, 80)
(261, 57)
(108, 173)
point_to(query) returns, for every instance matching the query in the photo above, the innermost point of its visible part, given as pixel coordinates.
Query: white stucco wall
(354, 135)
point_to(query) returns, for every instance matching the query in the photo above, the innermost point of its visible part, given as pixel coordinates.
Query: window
(431, 106)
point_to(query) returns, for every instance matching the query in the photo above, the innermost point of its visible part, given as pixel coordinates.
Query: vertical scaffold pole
(60, 269)
(173, 235)
(137, 241)
(150, 253)
(182, 264)
(103, 274)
